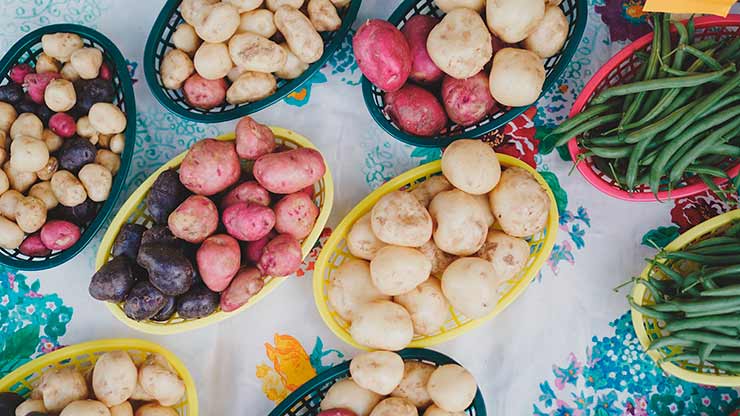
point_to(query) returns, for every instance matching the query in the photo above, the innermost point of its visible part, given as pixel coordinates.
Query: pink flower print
(569, 374)
(4, 300)
(11, 281)
(30, 309)
(673, 407)
(34, 295)
(725, 397)
(706, 401)
(47, 346)
(51, 306)
(679, 390)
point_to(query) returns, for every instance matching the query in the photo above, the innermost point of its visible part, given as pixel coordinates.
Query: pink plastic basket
(621, 68)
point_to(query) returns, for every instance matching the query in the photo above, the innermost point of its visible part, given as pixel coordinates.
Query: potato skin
(114, 378)
(427, 306)
(351, 286)
(416, 31)
(169, 270)
(248, 222)
(471, 166)
(361, 241)
(399, 219)
(520, 204)
(166, 194)
(394, 406)
(396, 270)
(513, 20)
(218, 260)
(251, 86)
(176, 68)
(250, 192)
(59, 235)
(210, 167)
(549, 36)
(377, 371)
(460, 45)
(471, 286)
(507, 254)
(416, 110)
(198, 302)
(383, 54)
(295, 214)
(346, 394)
(440, 260)
(290, 171)
(281, 256)
(11, 236)
(461, 226)
(247, 283)
(32, 246)
(253, 139)
(194, 220)
(413, 384)
(204, 93)
(253, 52)
(383, 325)
(452, 387)
(517, 76)
(303, 39)
(113, 281)
(62, 386)
(467, 101)
(323, 15)
(428, 189)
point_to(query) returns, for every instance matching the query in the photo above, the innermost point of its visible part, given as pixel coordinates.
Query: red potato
(247, 283)
(204, 93)
(254, 249)
(63, 125)
(383, 54)
(290, 171)
(467, 101)
(416, 110)
(296, 214)
(281, 257)
(18, 72)
(249, 191)
(194, 220)
(36, 84)
(253, 139)
(416, 30)
(32, 246)
(218, 258)
(210, 167)
(337, 412)
(59, 235)
(248, 222)
(308, 191)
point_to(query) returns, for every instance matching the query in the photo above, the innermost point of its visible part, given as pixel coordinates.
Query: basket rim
(138, 196)
(155, 35)
(376, 112)
(340, 232)
(127, 90)
(89, 347)
(585, 95)
(638, 319)
(311, 385)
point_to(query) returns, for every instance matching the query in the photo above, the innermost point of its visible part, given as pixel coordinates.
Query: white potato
(258, 21)
(219, 24)
(4, 182)
(517, 76)
(394, 406)
(399, 219)
(471, 166)
(382, 325)
(28, 154)
(549, 35)
(87, 62)
(471, 286)
(110, 160)
(452, 388)
(396, 270)
(85, 408)
(153, 409)
(440, 260)
(42, 191)
(519, 203)
(460, 45)
(140, 394)
(427, 306)
(346, 394)
(428, 189)
(60, 95)
(461, 226)
(340, 3)
(377, 371)
(245, 5)
(481, 201)
(302, 37)
(7, 116)
(253, 52)
(52, 140)
(433, 410)
(48, 170)
(361, 241)
(185, 39)
(30, 214)
(413, 384)
(114, 378)
(45, 63)
(513, 20)
(251, 86)
(195, 11)
(293, 67)
(161, 382)
(449, 5)
(507, 254)
(27, 124)
(106, 118)
(123, 409)
(323, 15)
(117, 143)
(275, 4)
(212, 60)
(60, 46)
(29, 406)
(351, 286)
(68, 189)
(176, 67)
(85, 128)
(69, 72)
(11, 236)
(62, 386)
(9, 203)
(20, 181)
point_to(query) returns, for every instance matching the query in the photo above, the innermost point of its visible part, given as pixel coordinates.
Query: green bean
(705, 44)
(713, 241)
(733, 230)
(634, 161)
(677, 72)
(732, 290)
(702, 322)
(683, 39)
(683, 356)
(651, 312)
(729, 331)
(707, 337)
(706, 305)
(728, 367)
(666, 307)
(672, 274)
(710, 141)
(657, 295)
(705, 350)
(586, 126)
(729, 50)
(722, 249)
(633, 107)
(714, 312)
(723, 271)
(665, 38)
(707, 170)
(696, 53)
(658, 126)
(607, 140)
(724, 150)
(690, 30)
(702, 258)
(587, 114)
(670, 341)
(725, 356)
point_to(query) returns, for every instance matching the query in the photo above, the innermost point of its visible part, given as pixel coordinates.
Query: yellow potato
(253, 52)
(251, 86)
(461, 223)
(346, 394)
(219, 24)
(507, 254)
(60, 46)
(382, 325)
(471, 286)
(323, 15)
(452, 387)
(471, 166)
(361, 241)
(175, 68)
(302, 37)
(549, 36)
(427, 306)
(211, 61)
(377, 371)
(428, 189)
(87, 62)
(7, 116)
(396, 270)
(185, 39)
(258, 21)
(413, 384)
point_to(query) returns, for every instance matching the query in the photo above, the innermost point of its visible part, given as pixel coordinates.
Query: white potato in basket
(452, 387)
(460, 45)
(549, 36)
(377, 371)
(513, 20)
(471, 286)
(520, 204)
(399, 219)
(382, 325)
(471, 166)
(507, 254)
(461, 224)
(428, 189)
(448, 5)
(396, 270)
(427, 306)
(517, 76)
(351, 286)
(346, 394)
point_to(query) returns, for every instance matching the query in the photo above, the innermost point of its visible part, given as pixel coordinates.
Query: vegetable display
(673, 124)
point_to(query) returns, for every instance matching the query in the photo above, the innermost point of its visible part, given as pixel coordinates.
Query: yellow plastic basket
(134, 210)
(83, 357)
(648, 328)
(335, 252)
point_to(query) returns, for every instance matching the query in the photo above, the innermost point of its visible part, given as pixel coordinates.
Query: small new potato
(396, 270)
(69, 72)
(428, 189)
(97, 181)
(460, 45)
(62, 386)
(399, 219)
(60, 46)
(351, 286)
(59, 235)
(251, 86)
(253, 139)
(87, 62)
(68, 189)
(114, 378)
(413, 384)
(289, 171)
(110, 160)
(42, 191)
(549, 36)
(245, 5)
(204, 93)
(452, 388)
(416, 31)
(302, 37)
(361, 241)
(30, 405)
(382, 325)
(253, 52)
(323, 15)
(117, 143)
(161, 382)
(210, 167)
(85, 408)
(467, 101)
(517, 76)
(20, 181)
(293, 67)
(194, 220)
(461, 224)
(275, 4)
(471, 166)
(218, 261)
(281, 256)
(247, 283)
(295, 214)
(9, 203)
(383, 54)
(27, 124)
(219, 24)
(433, 410)
(415, 110)
(212, 60)
(107, 118)
(60, 95)
(195, 11)
(250, 192)
(30, 214)
(377, 371)
(427, 306)
(258, 21)
(175, 69)
(84, 128)
(185, 39)
(52, 140)
(394, 406)
(11, 236)
(449, 5)
(28, 154)
(346, 394)
(513, 20)
(471, 285)
(153, 409)
(520, 204)
(440, 260)
(507, 254)
(45, 63)
(248, 222)
(7, 116)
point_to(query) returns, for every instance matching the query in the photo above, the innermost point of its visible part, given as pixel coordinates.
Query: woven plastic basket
(159, 43)
(305, 401)
(134, 211)
(84, 356)
(648, 329)
(621, 68)
(335, 252)
(576, 13)
(25, 51)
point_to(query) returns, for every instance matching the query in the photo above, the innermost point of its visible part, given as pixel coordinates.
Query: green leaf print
(561, 197)
(18, 348)
(660, 236)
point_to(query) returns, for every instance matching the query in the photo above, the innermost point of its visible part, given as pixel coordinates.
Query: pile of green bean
(697, 299)
(678, 118)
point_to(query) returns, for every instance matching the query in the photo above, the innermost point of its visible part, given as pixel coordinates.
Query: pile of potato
(114, 387)
(446, 390)
(468, 63)
(417, 253)
(60, 144)
(220, 228)
(247, 42)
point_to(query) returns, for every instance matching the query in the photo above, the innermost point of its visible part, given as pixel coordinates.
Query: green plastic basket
(576, 12)
(159, 43)
(25, 51)
(305, 401)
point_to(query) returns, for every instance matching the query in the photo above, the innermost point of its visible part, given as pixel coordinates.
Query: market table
(566, 347)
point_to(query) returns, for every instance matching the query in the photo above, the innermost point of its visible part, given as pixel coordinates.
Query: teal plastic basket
(160, 42)
(576, 11)
(25, 51)
(305, 401)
